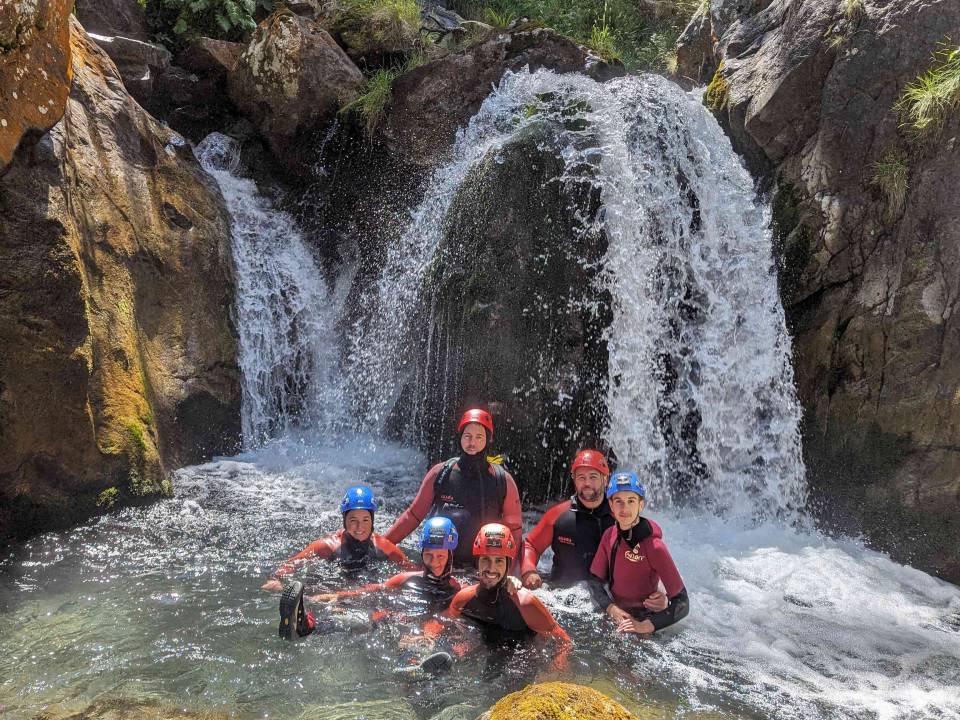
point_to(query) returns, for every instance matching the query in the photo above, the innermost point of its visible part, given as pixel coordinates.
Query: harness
(499, 474)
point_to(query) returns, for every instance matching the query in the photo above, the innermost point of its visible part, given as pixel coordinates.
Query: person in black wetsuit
(502, 616)
(572, 528)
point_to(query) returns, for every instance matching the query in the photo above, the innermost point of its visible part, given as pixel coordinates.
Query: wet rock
(138, 63)
(35, 70)
(516, 320)
(125, 18)
(696, 61)
(557, 701)
(117, 358)
(398, 709)
(211, 58)
(291, 79)
(128, 709)
(868, 280)
(432, 101)
(380, 36)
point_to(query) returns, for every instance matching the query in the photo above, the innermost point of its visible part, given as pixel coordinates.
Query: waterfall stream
(163, 602)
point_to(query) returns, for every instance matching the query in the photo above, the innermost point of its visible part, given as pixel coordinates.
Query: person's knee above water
(434, 582)
(489, 604)
(468, 489)
(352, 547)
(632, 563)
(572, 528)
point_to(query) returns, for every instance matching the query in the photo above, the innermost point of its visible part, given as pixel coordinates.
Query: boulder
(432, 101)
(117, 356)
(492, 274)
(557, 701)
(138, 63)
(210, 58)
(35, 70)
(868, 264)
(125, 18)
(291, 79)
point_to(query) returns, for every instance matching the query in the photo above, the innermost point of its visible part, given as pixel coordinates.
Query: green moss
(166, 487)
(927, 102)
(717, 96)
(108, 498)
(137, 441)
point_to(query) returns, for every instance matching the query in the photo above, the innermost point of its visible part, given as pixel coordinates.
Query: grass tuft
(927, 102)
(853, 10)
(890, 176)
(373, 104)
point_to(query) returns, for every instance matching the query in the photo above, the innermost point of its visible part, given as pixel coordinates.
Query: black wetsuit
(574, 532)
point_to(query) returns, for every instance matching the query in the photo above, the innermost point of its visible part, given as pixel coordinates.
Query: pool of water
(163, 602)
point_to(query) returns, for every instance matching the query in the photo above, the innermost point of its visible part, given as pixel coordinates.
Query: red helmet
(476, 416)
(590, 459)
(495, 539)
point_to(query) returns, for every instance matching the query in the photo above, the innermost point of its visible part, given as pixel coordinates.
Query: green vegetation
(927, 102)
(375, 27)
(717, 95)
(372, 105)
(108, 498)
(625, 29)
(175, 21)
(890, 176)
(853, 10)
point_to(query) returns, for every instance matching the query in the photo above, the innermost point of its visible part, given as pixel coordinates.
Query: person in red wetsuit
(467, 489)
(572, 528)
(633, 562)
(352, 547)
(502, 616)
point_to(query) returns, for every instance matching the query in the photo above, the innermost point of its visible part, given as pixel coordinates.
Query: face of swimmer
(590, 485)
(492, 570)
(626, 508)
(473, 439)
(435, 560)
(358, 524)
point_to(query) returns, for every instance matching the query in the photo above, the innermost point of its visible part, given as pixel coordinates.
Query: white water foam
(284, 313)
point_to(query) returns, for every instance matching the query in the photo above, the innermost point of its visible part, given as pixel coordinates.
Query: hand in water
(532, 580)
(324, 598)
(618, 614)
(512, 585)
(656, 602)
(272, 585)
(632, 625)
(423, 643)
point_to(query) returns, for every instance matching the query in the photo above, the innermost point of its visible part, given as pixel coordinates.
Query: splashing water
(284, 312)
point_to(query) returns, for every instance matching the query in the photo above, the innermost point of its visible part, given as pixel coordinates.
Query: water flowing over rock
(292, 79)
(35, 70)
(635, 320)
(117, 355)
(868, 275)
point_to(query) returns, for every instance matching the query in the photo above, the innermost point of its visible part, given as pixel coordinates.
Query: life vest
(469, 505)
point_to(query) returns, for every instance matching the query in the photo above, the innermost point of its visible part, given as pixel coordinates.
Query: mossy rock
(558, 701)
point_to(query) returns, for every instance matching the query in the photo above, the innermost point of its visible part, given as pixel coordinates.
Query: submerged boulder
(867, 231)
(291, 79)
(117, 357)
(35, 70)
(557, 701)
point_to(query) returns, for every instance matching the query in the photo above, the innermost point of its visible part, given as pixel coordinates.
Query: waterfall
(701, 396)
(284, 312)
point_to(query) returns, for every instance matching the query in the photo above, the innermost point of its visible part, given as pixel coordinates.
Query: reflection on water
(164, 602)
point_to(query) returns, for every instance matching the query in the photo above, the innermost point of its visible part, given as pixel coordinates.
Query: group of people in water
(472, 514)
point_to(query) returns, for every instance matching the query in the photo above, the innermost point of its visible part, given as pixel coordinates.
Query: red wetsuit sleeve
(600, 566)
(512, 512)
(539, 619)
(393, 553)
(393, 583)
(322, 548)
(433, 628)
(414, 515)
(662, 562)
(539, 539)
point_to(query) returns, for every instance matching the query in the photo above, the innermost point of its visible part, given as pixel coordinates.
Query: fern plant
(221, 19)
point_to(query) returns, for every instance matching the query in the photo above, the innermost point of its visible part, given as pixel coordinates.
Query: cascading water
(284, 311)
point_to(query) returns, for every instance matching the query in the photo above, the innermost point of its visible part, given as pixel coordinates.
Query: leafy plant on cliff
(890, 176)
(928, 101)
(177, 20)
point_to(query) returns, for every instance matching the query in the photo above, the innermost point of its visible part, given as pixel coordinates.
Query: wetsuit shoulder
(534, 612)
(463, 596)
(539, 539)
(401, 579)
(391, 551)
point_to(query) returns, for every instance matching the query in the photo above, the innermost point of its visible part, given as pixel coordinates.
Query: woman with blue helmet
(632, 564)
(352, 548)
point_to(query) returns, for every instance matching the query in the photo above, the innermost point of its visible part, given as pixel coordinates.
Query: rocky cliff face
(35, 69)
(868, 231)
(117, 359)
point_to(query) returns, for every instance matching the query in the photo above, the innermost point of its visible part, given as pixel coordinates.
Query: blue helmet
(358, 497)
(626, 482)
(439, 533)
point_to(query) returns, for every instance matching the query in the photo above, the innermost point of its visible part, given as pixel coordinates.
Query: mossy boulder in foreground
(557, 701)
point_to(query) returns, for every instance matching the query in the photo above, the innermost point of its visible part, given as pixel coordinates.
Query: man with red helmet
(501, 616)
(572, 528)
(467, 489)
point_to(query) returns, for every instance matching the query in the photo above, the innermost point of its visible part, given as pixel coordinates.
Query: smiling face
(435, 560)
(626, 507)
(590, 485)
(474, 439)
(359, 524)
(492, 570)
